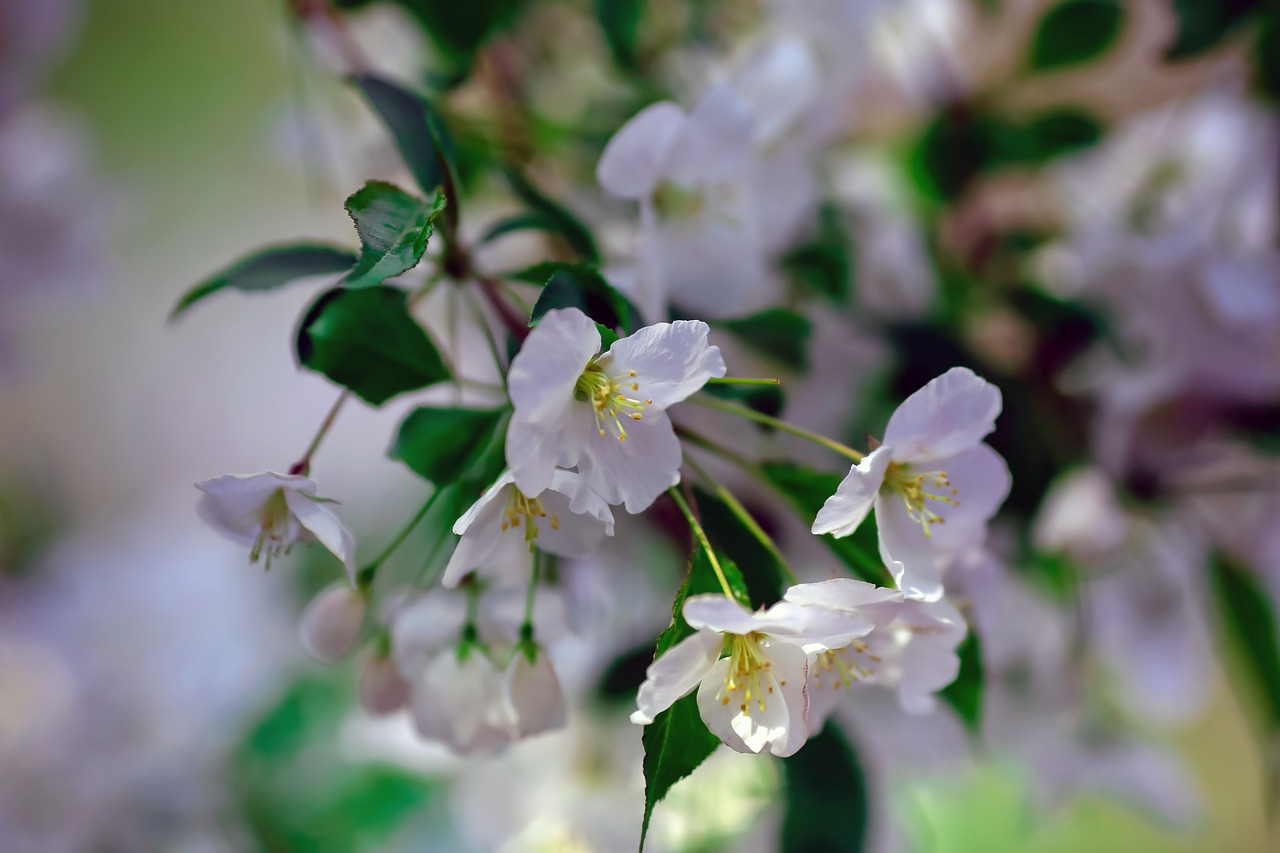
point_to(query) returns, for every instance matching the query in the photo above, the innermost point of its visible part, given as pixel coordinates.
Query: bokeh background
(153, 694)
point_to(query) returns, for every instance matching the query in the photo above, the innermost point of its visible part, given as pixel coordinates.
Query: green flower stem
(526, 629)
(744, 516)
(702, 538)
(303, 465)
(366, 575)
(742, 380)
(758, 417)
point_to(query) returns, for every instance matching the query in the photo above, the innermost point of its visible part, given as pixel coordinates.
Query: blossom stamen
(917, 490)
(525, 510)
(604, 393)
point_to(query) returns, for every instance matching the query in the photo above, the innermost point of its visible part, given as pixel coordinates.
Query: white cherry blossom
(330, 626)
(501, 528)
(271, 512)
(754, 698)
(932, 482)
(603, 413)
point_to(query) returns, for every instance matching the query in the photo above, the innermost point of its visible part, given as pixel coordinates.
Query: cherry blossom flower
(604, 413)
(755, 698)
(933, 484)
(534, 702)
(271, 512)
(330, 626)
(502, 527)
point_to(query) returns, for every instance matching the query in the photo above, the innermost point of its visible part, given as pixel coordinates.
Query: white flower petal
(422, 628)
(582, 500)
(814, 628)
(330, 626)
(491, 504)
(718, 612)
(544, 372)
(535, 702)
(634, 160)
(636, 471)
(841, 594)
(380, 687)
(675, 674)
(325, 526)
(906, 551)
(846, 509)
(952, 413)
(981, 478)
(715, 142)
(459, 702)
(671, 361)
(533, 453)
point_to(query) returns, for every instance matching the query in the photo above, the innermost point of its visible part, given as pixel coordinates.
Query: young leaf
(1203, 24)
(677, 741)
(827, 809)
(965, 693)
(582, 287)
(394, 228)
(559, 218)
(1251, 622)
(443, 444)
(1075, 31)
(416, 127)
(268, 269)
(366, 341)
(778, 333)
(808, 490)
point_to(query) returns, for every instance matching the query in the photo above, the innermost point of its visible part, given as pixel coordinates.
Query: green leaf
(620, 22)
(965, 693)
(416, 128)
(1251, 623)
(1203, 24)
(823, 264)
(761, 573)
(582, 287)
(443, 444)
(1075, 31)
(394, 228)
(677, 740)
(766, 399)
(808, 490)
(366, 341)
(1059, 132)
(268, 269)
(1266, 56)
(778, 333)
(827, 806)
(675, 743)
(561, 220)
(949, 153)
(458, 29)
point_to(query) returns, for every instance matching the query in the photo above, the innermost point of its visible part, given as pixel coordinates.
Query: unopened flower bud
(331, 624)
(380, 687)
(535, 702)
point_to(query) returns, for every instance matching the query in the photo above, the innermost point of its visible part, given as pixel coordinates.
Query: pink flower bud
(380, 687)
(331, 624)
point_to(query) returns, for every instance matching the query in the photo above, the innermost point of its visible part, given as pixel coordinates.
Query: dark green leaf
(394, 228)
(677, 741)
(366, 340)
(620, 21)
(561, 220)
(1060, 132)
(270, 268)
(1075, 31)
(761, 572)
(1266, 56)
(517, 222)
(1203, 24)
(778, 333)
(823, 264)
(458, 29)
(808, 490)
(582, 287)
(416, 127)
(965, 693)
(766, 399)
(443, 444)
(827, 807)
(949, 153)
(1250, 621)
